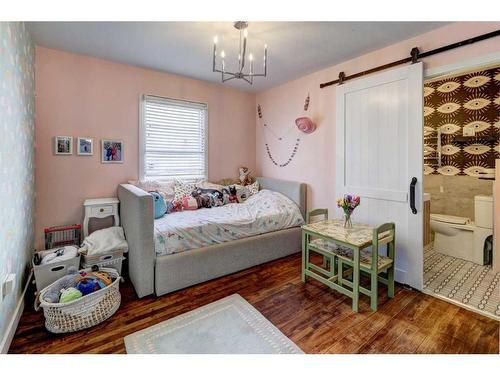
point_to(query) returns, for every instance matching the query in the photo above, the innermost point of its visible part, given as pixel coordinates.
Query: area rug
(465, 283)
(228, 326)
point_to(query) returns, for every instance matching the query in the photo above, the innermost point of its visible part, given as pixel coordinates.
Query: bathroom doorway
(461, 146)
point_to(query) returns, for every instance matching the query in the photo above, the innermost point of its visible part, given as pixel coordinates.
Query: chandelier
(241, 73)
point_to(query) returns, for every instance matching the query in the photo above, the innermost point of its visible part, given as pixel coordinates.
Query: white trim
(11, 328)
(463, 66)
(142, 138)
(460, 304)
(400, 275)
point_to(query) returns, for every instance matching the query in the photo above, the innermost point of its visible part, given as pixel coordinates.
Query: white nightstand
(100, 208)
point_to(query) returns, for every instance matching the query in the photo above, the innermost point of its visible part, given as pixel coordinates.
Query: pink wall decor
(78, 95)
(305, 125)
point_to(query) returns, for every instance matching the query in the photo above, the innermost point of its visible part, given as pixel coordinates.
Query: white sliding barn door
(379, 149)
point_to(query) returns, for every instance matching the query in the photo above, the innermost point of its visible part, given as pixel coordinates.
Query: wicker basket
(84, 312)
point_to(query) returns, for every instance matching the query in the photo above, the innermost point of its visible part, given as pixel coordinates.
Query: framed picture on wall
(63, 145)
(111, 151)
(84, 146)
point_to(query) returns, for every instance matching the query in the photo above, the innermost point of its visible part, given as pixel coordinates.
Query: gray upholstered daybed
(163, 274)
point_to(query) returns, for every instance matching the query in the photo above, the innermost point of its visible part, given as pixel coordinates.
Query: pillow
(253, 188)
(181, 189)
(165, 188)
(160, 207)
(209, 185)
(189, 203)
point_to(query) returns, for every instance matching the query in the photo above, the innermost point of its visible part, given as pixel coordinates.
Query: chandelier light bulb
(250, 57)
(222, 54)
(215, 39)
(245, 33)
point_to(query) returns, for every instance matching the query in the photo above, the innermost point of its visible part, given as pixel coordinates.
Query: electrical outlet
(441, 189)
(8, 285)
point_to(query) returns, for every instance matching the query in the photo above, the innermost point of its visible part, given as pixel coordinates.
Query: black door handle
(412, 195)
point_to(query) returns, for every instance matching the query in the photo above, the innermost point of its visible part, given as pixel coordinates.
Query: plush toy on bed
(189, 203)
(208, 198)
(245, 178)
(233, 195)
(159, 205)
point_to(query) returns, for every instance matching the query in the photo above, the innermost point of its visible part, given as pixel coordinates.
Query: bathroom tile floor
(465, 283)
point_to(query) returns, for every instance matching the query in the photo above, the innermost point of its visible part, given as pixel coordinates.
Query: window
(173, 139)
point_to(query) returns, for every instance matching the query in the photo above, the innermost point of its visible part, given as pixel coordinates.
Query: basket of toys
(80, 300)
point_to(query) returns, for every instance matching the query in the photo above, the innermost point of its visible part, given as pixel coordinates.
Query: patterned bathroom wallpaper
(467, 101)
(17, 195)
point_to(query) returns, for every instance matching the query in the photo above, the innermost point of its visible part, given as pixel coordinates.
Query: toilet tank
(483, 211)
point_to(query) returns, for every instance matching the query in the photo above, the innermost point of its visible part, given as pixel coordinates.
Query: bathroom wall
(453, 105)
(17, 185)
(454, 195)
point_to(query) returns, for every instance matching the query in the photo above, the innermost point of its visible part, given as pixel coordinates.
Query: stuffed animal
(70, 294)
(92, 281)
(242, 194)
(102, 278)
(159, 205)
(233, 196)
(177, 206)
(65, 282)
(170, 207)
(88, 285)
(245, 178)
(225, 196)
(189, 203)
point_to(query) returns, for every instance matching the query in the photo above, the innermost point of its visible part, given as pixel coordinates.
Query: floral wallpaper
(17, 194)
(454, 104)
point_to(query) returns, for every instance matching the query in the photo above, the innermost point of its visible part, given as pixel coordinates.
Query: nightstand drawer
(102, 211)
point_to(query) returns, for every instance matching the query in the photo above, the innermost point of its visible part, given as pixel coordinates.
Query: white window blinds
(174, 139)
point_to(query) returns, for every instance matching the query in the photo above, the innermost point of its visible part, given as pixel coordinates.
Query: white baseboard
(400, 276)
(11, 328)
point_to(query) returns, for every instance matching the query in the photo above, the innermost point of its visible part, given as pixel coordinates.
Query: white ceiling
(185, 48)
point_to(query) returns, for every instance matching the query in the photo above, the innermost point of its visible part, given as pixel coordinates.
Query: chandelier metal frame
(240, 74)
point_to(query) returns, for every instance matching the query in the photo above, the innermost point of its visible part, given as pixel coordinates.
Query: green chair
(371, 263)
(320, 247)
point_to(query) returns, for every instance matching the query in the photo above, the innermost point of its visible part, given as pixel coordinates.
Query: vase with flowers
(348, 203)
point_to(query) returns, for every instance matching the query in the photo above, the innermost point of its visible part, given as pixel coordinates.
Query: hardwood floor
(317, 319)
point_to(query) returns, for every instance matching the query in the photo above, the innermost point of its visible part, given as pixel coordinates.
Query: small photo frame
(111, 151)
(63, 145)
(84, 146)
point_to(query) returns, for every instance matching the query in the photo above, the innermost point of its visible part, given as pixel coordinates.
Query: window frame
(142, 136)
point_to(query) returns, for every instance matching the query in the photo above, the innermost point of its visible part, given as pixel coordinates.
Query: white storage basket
(84, 312)
(113, 259)
(46, 274)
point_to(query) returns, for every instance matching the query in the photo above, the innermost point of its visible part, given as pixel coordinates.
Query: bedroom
(209, 151)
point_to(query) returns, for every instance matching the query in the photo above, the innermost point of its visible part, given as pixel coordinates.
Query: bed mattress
(266, 211)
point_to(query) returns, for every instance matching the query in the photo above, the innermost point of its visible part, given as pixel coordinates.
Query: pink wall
(81, 96)
(315, 159)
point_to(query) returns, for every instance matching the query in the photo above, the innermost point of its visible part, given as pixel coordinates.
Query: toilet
(460, 237)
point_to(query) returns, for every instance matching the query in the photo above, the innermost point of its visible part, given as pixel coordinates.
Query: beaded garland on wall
(280, 138)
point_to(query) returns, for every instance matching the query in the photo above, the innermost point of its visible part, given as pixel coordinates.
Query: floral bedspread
(266, 211)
